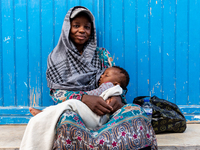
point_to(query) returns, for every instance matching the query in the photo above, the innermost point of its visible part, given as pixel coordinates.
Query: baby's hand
(108, 101)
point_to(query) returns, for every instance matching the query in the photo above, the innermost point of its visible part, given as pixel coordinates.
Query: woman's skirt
(128, 128)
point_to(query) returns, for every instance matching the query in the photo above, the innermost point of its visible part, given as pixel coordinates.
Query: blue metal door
(156, 41)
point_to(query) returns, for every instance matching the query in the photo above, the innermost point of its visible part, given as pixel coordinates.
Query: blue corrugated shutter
(156, 41)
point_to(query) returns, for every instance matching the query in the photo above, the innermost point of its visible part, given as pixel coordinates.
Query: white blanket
(40, 131)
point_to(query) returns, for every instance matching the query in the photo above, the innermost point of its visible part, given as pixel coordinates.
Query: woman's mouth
(80, 37)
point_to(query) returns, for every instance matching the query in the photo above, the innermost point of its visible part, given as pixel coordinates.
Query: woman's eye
(87, 27)
(75, 26)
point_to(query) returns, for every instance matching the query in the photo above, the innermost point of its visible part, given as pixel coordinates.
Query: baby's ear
(116, 83)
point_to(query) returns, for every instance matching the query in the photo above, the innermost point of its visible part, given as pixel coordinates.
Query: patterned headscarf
(66, 68)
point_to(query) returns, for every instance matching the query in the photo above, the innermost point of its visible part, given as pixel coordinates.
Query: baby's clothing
(98, 91)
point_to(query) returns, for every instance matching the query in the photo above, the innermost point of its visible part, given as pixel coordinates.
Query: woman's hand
(97, 104)
(116, 103)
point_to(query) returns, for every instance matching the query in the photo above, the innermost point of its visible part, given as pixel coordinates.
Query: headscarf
(66, 68)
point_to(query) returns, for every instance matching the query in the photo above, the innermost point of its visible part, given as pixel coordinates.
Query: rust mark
(150, 11)
(192, 122)
(152, 91)
(34, 97)
(34, 103)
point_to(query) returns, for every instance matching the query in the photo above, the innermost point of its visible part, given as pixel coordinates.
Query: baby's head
(116, 75)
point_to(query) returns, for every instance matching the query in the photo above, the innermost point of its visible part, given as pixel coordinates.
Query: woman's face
(80, 30)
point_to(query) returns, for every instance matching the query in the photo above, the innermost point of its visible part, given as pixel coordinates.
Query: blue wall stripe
(116, 29)
(148, 76)
(123, 36)
(34, 53)
(155, 49)
(53, 13)
(21, 53)
(130, 50)
(1, 60)
(168, 51)
(73, 3)
(41, 35)
(188, 18)
(162, 47)
(143, 51)
(110, 28)
(108, 24)
(47, 45)
(14, 48)
(98, 20)
(101, 23)
(181, 53)
(60, 13)
(27, 36)
(8, 53)
(193, 49)
(175, 43)
(136, 44)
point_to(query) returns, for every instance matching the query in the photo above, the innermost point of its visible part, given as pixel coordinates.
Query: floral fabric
(128, 128)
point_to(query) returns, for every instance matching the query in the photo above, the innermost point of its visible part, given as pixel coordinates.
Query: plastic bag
(166, 116)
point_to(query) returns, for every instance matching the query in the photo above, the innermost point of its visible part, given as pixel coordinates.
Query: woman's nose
(81, 29)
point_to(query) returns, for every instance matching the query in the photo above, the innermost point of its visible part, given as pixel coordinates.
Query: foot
(34, 111)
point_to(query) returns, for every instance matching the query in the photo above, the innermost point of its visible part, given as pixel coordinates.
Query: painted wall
(156, 41)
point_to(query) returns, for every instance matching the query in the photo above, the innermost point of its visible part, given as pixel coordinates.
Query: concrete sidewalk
(189, 140)
(11, 135)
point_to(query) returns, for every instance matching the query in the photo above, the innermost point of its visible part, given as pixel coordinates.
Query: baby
(110, 84)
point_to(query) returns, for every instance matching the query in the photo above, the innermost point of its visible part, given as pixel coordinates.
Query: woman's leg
(127, 129)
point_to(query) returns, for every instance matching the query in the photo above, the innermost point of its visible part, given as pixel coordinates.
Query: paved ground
(189, 140)
(11, 135)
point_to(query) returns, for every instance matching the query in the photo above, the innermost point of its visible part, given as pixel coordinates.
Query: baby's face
(110, 75)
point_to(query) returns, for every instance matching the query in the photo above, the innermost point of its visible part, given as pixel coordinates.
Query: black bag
(166, 116)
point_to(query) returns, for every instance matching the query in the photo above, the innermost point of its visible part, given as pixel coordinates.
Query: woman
(74, 65)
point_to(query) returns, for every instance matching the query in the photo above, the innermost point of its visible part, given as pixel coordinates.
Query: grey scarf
(67, 69)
